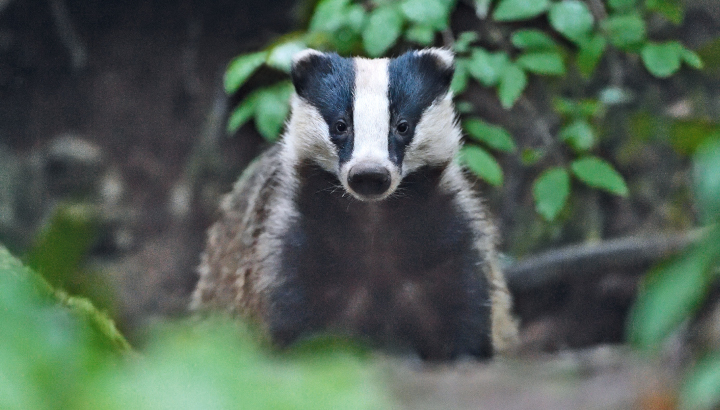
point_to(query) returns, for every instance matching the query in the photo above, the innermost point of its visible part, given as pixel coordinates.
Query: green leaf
(26, 295)
(482, 164)
(344, 41)
(355, 17)
(460, 78)
(60, 352)
(514, 10)
(62, 246)
(620, 5)
(615, 95)
(551, 190)
(280, 56)
(547, 63)
(625, 31)
(691, 58)
(662, 59)
(687, 135)
(532, 39)
(211, 364)
(582, 109)
(669, 294)
(579, 135)
(419, 34)
(433, 13)
(598, 173)
(710, 57)
(565, 107)
(591, 51)
(492, 135)
(462, 43)
(337, 27)
(241, 68)
(512, 83)
(329, 15)
(673, 10)
(701, 389)
(572, 19)
(589, 108)
(487, 67)
(243, 113)
(271, 109)
(382, 30)
(707, 178)
(530, 156)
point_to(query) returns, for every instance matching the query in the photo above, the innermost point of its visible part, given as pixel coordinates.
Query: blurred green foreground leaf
(59, 352)
(673, 292)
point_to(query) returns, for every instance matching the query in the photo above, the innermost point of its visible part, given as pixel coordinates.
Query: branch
(542, 127)
(597, 8)
(203, 158)
(68, 36)
(584, 260)
(448, 38)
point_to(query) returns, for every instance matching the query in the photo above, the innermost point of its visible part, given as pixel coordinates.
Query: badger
(361, 221)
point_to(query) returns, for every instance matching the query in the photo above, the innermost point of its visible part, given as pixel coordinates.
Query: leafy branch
(579, 35)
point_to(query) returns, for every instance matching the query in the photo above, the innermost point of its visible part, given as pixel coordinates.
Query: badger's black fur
(360, 221)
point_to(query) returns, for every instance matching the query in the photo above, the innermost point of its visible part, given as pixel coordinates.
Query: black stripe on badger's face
(416, 80)
(327, 82)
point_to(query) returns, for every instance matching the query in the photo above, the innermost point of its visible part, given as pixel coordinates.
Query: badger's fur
(360, 221)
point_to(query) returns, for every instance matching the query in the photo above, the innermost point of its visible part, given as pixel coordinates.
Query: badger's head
(372, 122)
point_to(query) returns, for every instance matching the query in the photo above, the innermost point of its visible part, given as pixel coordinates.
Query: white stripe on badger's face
(371, 116)
(371, 119)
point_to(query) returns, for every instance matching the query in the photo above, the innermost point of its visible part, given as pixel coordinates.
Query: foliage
(62, 245)
(481, 163)
(574, 43)
(41, 361)
(599, 174)
(58, 352)
(673, 292)
(551, 190)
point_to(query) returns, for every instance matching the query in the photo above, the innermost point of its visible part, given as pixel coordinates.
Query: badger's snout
(369, 181)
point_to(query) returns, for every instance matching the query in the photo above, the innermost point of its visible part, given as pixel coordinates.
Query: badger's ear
(307, 66)
(435, 66)
(444, 58)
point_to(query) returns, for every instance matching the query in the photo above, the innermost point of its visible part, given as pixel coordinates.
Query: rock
(73, 166)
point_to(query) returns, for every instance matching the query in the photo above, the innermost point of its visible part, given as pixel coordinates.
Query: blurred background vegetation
(593, 127)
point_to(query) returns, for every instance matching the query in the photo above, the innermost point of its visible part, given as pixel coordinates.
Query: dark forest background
(103, 103)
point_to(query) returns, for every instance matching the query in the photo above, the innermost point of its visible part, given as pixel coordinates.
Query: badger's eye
(340, 127)
(403, 127)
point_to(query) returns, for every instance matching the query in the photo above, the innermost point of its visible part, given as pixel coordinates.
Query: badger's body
(360, 221)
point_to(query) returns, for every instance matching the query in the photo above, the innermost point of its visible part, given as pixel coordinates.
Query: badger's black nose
(369, 180)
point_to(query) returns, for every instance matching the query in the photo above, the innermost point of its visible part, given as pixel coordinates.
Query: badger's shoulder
(504, 324)
(229, 263)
